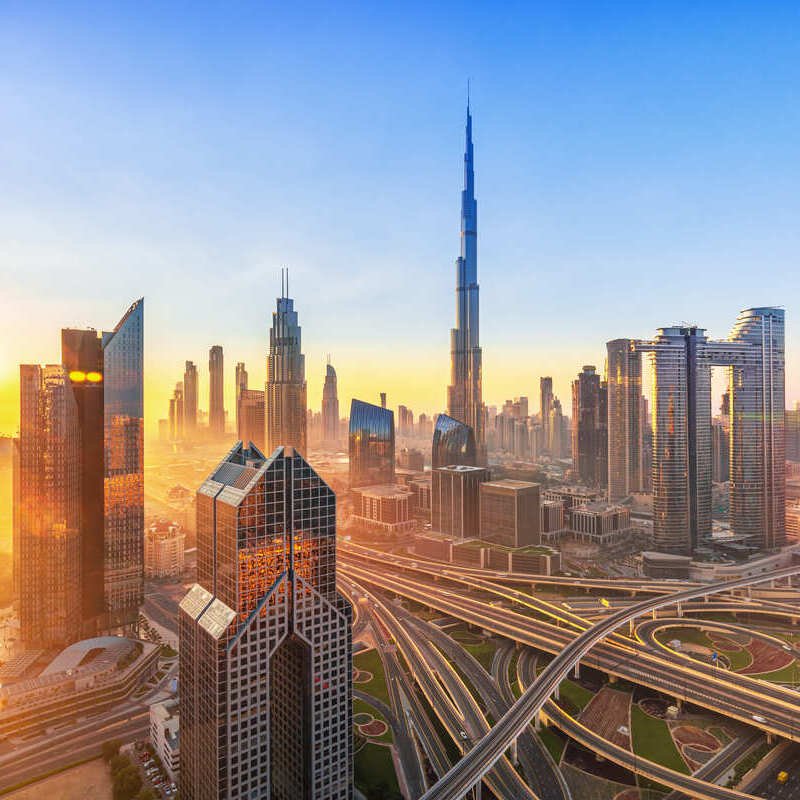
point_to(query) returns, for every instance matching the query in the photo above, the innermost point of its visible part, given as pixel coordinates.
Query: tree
(127, 783)
(110, 749)
(118, 763)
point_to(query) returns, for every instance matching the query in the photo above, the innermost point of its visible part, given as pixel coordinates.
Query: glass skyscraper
(465, 393)
(123, 433)
(371, 444)
(590, 428)
(453, 443)
(265, 638)
(190, 400)
(101, 377)
(330, 406)
(682, 358)
(625, 420)
(285, 393)
(48, 512)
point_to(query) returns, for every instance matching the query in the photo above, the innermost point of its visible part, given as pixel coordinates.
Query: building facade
(164, 544)
(626, 459)
(250, 417)
(465, 393)
(285, 393)
(509, 513)
(371, 445)
(242, 384)
(216, 391)
(590, 428)
(48, 512)
(453, 443)
(265, 642)
(455, 500)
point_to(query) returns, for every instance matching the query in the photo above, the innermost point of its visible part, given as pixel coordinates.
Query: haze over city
(399, 403)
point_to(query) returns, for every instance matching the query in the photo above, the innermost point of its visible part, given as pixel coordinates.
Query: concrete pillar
(612, 678)
(680, 610)
(679, 702)
(630, 628)
(537, 721)
(577, 669)
(513, 755)
(556, 693)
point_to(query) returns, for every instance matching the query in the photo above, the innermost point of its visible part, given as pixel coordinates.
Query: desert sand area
(91, 779)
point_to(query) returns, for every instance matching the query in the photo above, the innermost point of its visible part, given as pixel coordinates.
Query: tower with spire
(464, 395)
(285, 391)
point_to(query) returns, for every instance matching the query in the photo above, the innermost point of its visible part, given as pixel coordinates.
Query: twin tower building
(681, 359)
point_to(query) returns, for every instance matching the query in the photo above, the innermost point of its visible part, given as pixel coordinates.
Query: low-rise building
(599, 523)
(383, 507)
(793, 523)
(165, 735)
(164, 543)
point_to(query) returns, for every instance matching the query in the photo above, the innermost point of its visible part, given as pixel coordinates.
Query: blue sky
(637, 164)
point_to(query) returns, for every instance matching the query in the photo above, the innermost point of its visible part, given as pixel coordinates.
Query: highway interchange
(485, 600)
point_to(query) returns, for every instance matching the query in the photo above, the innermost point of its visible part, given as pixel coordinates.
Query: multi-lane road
(769, 707)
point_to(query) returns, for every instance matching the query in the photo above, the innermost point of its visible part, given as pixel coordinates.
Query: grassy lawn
(789, 674)
(483, 652)
(720, 734)
(575, 694)
(553, 742)
(739, 658)
(652, 740)
(359, 706)
(370, 661)
(688, 635)
(374, 769)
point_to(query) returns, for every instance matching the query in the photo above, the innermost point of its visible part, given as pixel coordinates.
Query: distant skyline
(634, 168)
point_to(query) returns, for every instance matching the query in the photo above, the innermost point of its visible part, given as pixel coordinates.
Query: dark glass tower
(590, 428)
(266, 664)
(453, 443)
(371, 444)
(464, 395)
(190, 400)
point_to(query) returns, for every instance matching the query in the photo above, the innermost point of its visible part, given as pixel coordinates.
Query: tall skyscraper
(216, 391)
(330, 406)
(123, 431)
(241, 386)
(48, 512)
(755, 352)
(557, 435)
(177, 413)
(590, 428)
(721, 442)
(190, 400)
(680, 363)
(285, 393)
(104, 384)
(625, 422)
(545, 408)
(371, 444)
(265, 641)
(682, 358)
(464, 395)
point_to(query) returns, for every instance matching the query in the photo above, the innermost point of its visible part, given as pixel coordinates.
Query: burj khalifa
(464, 395)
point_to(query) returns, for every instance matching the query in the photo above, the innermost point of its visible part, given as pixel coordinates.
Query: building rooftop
(510, 483)
(383, 490)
